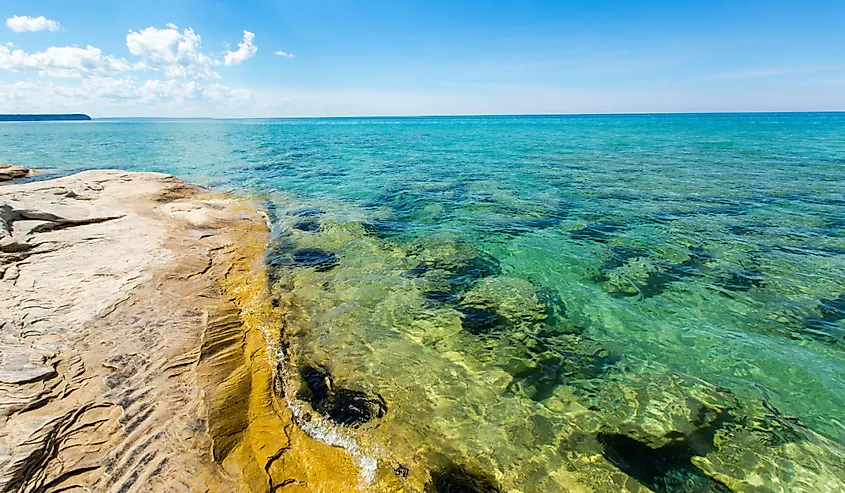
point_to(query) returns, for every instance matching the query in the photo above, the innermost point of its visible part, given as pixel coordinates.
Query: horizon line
(468, 115)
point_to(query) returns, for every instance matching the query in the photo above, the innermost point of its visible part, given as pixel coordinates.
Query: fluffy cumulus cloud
(23, 23)
(176, 53)
(246, 49)
(62, 62)
(169, 75)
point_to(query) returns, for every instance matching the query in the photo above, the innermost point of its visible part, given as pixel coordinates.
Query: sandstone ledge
(9, 172)
(133, 314)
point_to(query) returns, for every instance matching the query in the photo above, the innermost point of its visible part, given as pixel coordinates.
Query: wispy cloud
(23, 23)
(285, 54)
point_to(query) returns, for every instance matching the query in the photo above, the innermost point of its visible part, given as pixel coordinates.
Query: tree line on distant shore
(44, 118)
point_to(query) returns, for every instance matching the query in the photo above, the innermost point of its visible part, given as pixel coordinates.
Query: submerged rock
(517, 300)
(521, 226)
(832, 310)
(458, 479)
(553, 359)
(319, 260)
(451, 269)
(282, 255)
(644, 277)
(308, 212)
(657, 409)
(557, 315)
(384, 229)
(668, 469)
(540, 380)
(598, 232)
(344, 407)
(743, 281)
(827, 326)
(620, 255)
(308, 225)
(480, 321)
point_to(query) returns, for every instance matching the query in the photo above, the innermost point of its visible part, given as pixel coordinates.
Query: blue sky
(433, 57)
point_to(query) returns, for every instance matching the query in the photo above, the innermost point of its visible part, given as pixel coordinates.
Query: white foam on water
(319, 429)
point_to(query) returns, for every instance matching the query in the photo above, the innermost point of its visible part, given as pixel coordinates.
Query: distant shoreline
(76, 117)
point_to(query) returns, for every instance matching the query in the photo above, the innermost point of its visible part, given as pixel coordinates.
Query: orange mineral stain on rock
(255, 438)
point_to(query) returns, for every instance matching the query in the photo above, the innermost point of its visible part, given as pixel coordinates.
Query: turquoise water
(545, 302)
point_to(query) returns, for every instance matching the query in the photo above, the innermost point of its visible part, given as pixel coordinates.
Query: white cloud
(177, 54)
(100, 84)
(62, 62)
(285, 54)
(124, 96)
(246, 49)
(157, 91)
(23, 23)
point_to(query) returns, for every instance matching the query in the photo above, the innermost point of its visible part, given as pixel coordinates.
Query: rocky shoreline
(134, 326)
(9, 172)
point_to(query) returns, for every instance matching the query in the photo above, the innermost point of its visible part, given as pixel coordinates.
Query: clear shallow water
(539, 298)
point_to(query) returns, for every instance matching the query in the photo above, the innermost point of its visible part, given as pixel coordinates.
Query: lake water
(540, 303)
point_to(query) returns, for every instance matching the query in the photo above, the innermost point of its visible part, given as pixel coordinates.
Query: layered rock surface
(131, 350)
(9, 172)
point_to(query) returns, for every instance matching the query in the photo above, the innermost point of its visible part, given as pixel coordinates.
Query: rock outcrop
(9, 172)
(132, 356)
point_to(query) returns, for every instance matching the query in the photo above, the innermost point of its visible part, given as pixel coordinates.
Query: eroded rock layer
(132, 313)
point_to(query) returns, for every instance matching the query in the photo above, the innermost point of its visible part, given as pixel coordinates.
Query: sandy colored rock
(9, 172)
(132, 355)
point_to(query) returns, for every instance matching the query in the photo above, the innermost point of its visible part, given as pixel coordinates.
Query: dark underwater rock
(284, 254)
(352, 408)
(450, 280)
(823, 251)
(668, 469)
(555, 307)
(442, 296)
(518, 227)
(540, 380)
(318, 383)
(743, 281)
(277, 257)
(384, 229)
(740, 230)
(344, 407)
(401, 471)
(657, 281)
(826, 327)
(319, 260)
(467, 269)
(598, 232)
(272, 212)
(480, 321)
(553, 359)
(832, 310)
(458, 479)
(621, 255)
(404, 203)
(308, 225)
(669, 216)
(308, 212)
